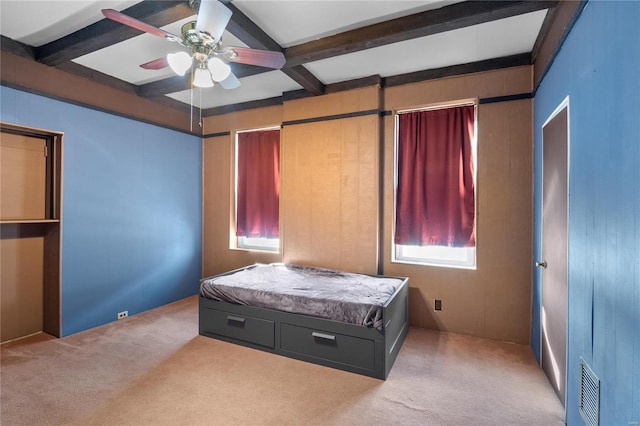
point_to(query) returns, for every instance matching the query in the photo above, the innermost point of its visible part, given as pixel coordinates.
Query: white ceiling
(292, 22)
(37, 22)
(289, 23)
(504, 37)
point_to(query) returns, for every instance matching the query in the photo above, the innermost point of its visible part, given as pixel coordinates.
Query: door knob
(542, 264)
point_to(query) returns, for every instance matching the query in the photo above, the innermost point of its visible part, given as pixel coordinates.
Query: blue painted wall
(598, 67)
(132, 203)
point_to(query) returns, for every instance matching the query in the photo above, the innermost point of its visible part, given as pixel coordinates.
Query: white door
(555, 147)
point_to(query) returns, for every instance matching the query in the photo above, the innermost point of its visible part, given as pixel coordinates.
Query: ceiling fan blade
(230, 82)
(213, 18)
(261, 58)
(156, 64)
(139, 25)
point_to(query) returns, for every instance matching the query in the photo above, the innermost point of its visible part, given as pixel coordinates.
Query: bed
(352, 322)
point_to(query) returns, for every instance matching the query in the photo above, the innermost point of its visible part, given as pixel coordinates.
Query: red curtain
(258, 185)
(435, 201)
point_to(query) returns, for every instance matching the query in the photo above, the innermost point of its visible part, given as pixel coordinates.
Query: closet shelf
(19, 221)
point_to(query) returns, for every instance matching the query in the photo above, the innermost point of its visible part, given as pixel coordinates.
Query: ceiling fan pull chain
(191, 104)
(200, 107)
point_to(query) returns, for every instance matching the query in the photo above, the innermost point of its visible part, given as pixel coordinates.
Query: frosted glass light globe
(219, 70)
(179, 62)
(202, 78)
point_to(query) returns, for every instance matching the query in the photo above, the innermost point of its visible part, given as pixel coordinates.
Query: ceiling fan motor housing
(197, 41)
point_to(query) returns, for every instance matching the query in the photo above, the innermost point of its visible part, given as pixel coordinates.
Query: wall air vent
(589, 395)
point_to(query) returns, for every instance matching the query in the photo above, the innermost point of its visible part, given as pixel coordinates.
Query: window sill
(255, 250)
(437, 265)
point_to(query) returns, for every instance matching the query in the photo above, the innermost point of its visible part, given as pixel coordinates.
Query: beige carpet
(154, 369)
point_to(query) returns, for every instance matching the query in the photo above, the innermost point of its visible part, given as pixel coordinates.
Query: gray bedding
(325, 293)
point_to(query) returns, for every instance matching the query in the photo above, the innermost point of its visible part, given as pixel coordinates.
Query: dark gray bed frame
(350, 347)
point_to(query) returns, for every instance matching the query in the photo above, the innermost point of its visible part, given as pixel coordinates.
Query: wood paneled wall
(330, 197)
(329, 207)
(218, 190)
(21, 280)
(493, 301)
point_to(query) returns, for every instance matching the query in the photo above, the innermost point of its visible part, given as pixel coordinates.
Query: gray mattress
(325, 293)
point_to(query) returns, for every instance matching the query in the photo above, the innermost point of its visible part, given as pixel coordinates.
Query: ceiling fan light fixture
(202, 78)
(219, 70)
(179, 62)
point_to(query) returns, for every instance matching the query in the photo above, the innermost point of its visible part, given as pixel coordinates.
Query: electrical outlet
(437, 305)
(123, 314)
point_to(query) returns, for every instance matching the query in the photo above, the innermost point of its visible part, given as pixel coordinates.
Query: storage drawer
(339, 348)
(248, 329)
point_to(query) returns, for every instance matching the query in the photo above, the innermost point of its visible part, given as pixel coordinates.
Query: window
(258, 189)
(435, 186)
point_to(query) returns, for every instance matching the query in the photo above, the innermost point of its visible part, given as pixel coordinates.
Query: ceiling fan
(207, 58)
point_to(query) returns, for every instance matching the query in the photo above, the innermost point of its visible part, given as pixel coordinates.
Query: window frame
(469, 253)
(247, 243)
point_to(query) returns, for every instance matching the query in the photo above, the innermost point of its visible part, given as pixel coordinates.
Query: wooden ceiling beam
(107, 32)
(448, 18)
(461, 69)
(98, 77)
(306, 79)
(253, 36)
(248, 31)
(357, 83)
(242, 106)
(20, 49)
(372, 80)
(172, 84)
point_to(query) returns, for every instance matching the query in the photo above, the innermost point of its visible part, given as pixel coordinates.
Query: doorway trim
(50, 225)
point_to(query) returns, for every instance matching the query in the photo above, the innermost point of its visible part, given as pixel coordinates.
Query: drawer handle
(323, 336)
(235, 319)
